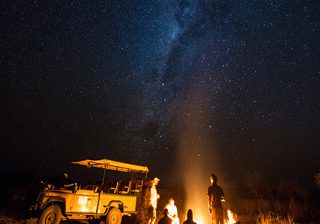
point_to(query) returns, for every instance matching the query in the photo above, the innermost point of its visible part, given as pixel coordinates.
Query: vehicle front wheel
(51, 215)
(114, 216)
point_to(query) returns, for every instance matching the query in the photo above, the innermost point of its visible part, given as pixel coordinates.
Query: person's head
(213, 179)
(189, 215)
(155, 181)
(171, 201)
(165, 212)
(66, 175)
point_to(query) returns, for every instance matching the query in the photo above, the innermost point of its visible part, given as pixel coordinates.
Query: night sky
(234, 84)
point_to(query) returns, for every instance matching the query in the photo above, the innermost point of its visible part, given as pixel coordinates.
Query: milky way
(123, 80)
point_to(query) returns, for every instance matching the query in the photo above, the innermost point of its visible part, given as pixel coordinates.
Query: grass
(271, 218)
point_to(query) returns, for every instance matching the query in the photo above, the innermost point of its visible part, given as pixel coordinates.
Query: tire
(51, 215)
(114, 216)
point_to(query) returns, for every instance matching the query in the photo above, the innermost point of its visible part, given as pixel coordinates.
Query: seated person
(189, 218)
(67, 183)
(172, 211)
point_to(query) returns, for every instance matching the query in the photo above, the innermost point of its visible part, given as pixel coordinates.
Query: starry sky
(171, 84)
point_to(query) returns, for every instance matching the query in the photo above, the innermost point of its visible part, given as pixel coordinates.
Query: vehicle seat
(137, 186)
(116, 188)
(126, 189)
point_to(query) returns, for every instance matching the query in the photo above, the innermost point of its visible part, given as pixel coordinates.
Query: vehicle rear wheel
(114, 216)
(51, 215)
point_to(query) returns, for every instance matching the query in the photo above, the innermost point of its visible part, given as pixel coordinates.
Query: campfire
(231, 218)
(196, 200)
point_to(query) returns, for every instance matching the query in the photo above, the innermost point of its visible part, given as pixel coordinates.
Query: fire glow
(201, 217)
(198, 158)
(231, 217)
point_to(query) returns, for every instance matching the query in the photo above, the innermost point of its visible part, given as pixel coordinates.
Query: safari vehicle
(95, 203)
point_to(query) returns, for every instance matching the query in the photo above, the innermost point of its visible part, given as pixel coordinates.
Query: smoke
(168, 79)
(197, 152)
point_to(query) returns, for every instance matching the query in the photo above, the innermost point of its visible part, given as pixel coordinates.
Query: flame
(197, 203)
(199, 219)
(202, 217)
(232, 217)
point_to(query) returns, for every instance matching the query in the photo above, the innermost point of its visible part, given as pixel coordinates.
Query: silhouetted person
(165, 218)
(65, 182)
(189, 218)
(215, 196)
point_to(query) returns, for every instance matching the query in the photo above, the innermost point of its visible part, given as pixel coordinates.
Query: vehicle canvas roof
(112, 165)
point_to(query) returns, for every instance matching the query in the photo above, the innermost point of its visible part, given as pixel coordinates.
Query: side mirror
(97, 189)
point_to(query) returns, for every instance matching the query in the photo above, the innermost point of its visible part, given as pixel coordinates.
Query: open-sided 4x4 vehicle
(99, 203)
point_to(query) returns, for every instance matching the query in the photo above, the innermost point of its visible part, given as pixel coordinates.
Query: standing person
(189, 218)
(215, 196)
(173, 211)
(154, 196)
